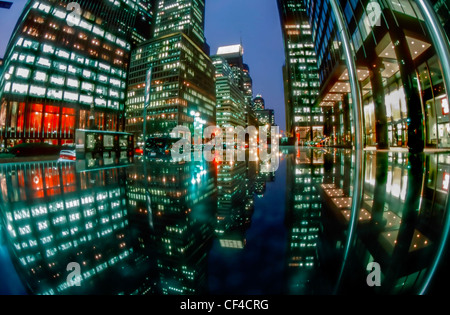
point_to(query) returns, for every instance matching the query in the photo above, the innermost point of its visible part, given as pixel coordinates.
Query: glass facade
(403, 95)
(57, 70)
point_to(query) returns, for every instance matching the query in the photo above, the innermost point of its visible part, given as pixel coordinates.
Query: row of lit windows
(62, 54)
(81, 23)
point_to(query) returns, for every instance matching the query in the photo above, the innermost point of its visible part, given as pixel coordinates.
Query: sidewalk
(30, 159)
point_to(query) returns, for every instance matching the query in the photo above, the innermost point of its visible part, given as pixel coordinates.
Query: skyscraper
(61, 68)
(182, 86)
(301, 78)
(259, 103)
(187, 16)
(231, 104)
(234, 55)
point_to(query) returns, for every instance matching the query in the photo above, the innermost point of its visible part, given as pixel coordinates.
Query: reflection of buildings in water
(305, 173)
(181, 216)
(55, 216)
(234, 202)
(400, 218)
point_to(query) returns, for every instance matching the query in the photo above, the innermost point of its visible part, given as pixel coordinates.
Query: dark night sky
(8, 20)
(258, 23)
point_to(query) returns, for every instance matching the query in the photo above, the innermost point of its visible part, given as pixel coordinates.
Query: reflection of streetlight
(148, 83)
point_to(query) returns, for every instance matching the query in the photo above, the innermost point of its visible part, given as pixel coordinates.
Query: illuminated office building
(182, 86)
(234, 55)
(259, 103)
(404, 100)
(304, 120)
(54, 215)
(231, 104)
(60, 70)
(266, 117)
(187, 16)
(247, 84)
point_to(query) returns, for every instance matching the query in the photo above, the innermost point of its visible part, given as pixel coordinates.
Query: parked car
(35, 149)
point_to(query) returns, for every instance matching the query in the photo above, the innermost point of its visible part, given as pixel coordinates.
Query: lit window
(23, 73)
(56, 79)
(44, 7)
(48, 49)
(104, 67)
(54, 94)
(68, 96)
(97, 30)
(30, 59)
(59, 14)
(72, 69)
(44, 62)
(19, 88)
(86, 25)
(87, 86)
(100, 102)
(102, 78)
(110, 37)
(37, 90)
(63, 54)
(86, 99)
(87, 73)
(73, 83)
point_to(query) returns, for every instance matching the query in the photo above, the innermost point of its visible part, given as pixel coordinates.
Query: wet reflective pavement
(161, 227)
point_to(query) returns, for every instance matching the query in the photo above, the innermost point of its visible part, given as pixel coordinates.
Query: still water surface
(161, 227)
